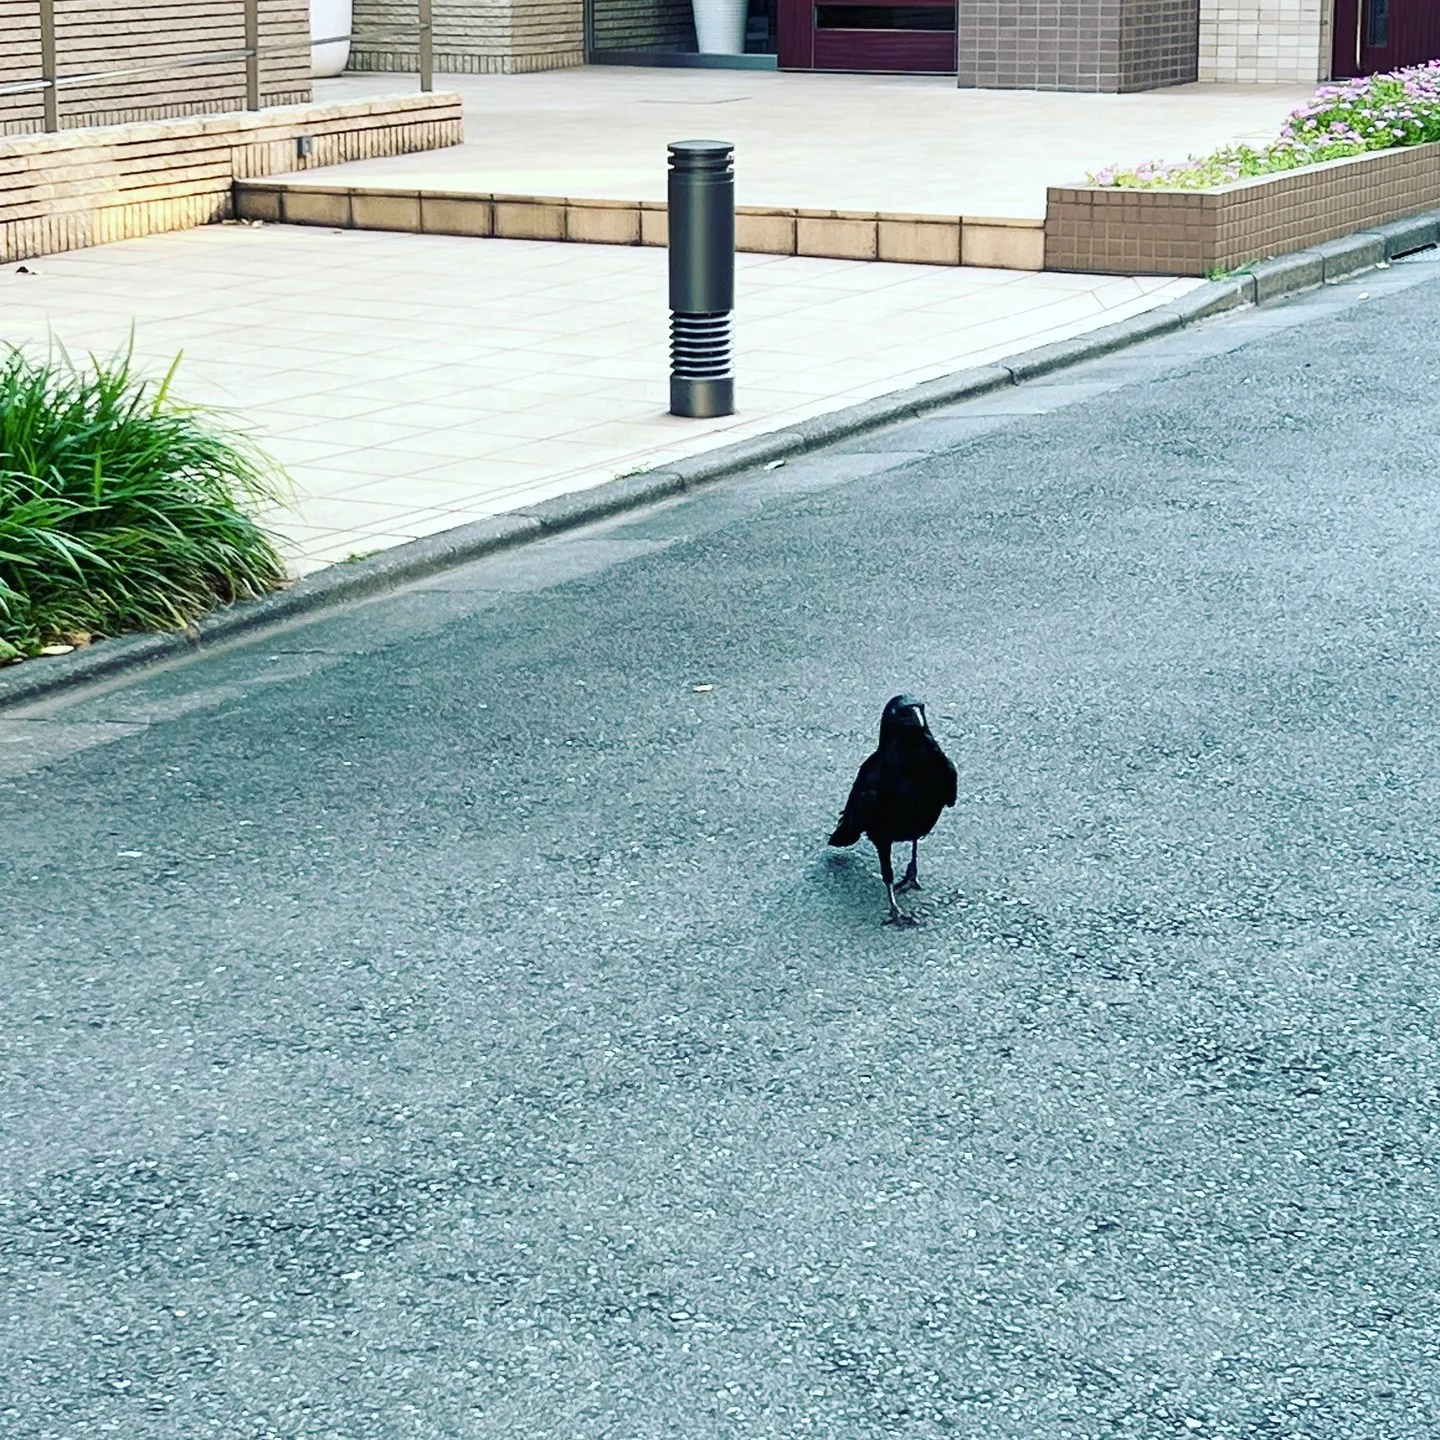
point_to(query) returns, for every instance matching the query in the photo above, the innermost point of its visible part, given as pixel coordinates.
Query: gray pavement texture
(443, 1019)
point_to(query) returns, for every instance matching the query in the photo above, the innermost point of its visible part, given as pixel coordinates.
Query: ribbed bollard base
(702, 399)
(701, 385)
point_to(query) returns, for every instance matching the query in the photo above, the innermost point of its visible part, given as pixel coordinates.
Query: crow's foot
(899, 917)
(908, 883)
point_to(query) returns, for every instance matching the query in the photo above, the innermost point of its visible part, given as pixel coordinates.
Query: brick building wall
(1159, 44)
(471, 37)
(134, 33)
(1265, 42)
(644, 25)
(1106, 45)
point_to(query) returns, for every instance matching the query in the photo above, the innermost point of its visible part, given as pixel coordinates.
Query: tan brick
(316, 207)
(385, 210)
(529, 220)
(603, 224)
(919, 242)
(765, 232)
(456, 215)
(1002, 247)
(654, 224)
(848, 239)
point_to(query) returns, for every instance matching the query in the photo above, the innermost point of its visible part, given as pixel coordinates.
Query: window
(1377, 24)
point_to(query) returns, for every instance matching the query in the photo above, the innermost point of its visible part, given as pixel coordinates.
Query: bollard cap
(701, 154)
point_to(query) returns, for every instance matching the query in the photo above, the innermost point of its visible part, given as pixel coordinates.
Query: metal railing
(50, 82)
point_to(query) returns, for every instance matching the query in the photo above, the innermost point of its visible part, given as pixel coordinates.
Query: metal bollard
(702, 277)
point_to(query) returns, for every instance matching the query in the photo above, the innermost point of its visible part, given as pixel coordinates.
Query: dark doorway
(662, 32)
(910, 36)
(1373, 35)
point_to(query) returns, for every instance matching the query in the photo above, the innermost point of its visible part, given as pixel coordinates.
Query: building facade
(1099, 45)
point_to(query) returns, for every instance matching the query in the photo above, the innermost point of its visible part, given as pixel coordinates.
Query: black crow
(898, 794)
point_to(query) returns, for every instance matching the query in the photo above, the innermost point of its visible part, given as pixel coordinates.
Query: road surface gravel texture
(443, 1018)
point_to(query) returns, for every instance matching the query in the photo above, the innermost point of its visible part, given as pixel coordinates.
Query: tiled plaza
(898, 143)
(413, 383)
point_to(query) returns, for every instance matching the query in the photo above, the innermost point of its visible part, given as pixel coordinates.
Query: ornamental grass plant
(121, 509)
(1375, 112)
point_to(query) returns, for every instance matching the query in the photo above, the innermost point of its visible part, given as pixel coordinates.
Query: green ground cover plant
(121, 509)
(1375, 112)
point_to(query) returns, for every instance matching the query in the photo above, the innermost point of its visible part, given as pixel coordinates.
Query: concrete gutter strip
(358, 580)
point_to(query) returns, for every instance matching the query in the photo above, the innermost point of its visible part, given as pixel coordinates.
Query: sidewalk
(414, 383)
(905, 143)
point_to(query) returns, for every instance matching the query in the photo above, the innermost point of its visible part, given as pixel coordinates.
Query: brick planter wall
(131, 33)
(1170, 232)
(89, 187)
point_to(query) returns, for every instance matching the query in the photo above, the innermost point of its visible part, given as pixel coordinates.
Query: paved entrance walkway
(413, 382)
(906, 143)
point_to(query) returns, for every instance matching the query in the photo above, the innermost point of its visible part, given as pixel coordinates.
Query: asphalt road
(444, 1019)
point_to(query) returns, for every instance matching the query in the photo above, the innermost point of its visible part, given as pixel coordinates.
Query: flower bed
(1356, 156)
(1376, 112)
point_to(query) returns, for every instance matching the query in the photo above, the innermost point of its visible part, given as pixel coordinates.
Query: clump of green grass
(121, 509)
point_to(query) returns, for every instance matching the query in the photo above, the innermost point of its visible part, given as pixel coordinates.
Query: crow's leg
(887, 872)
(911, 880)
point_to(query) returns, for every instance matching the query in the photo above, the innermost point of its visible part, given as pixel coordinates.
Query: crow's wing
(947, 783)
(855, 818)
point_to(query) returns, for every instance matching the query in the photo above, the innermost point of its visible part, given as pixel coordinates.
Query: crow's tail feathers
(847, 832)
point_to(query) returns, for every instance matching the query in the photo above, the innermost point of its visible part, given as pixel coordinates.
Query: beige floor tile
(489, 424)
(340, 512)
(488, 477)
(423, 491)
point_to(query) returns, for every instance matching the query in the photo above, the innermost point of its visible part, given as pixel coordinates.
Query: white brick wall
(471, 36)
(1264, 42)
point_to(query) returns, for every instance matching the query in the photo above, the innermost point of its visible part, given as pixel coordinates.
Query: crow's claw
(899, 917)
(908, 884)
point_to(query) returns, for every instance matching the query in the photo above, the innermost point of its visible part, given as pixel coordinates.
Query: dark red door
(1373, 35)
(915, 36)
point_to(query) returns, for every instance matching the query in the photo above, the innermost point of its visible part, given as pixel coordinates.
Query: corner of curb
(35, 679)
(357, 580)
(360, 579)
(1030, 364)
(1405, 237)
(600, 502)
(1287, 274)
(1213, 298)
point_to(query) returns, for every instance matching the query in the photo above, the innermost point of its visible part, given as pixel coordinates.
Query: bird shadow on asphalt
(856, 886)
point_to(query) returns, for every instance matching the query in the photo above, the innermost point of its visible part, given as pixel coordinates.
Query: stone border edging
(342, 583)
(993, 242)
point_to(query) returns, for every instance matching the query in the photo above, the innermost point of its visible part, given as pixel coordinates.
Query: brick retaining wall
(89, 187)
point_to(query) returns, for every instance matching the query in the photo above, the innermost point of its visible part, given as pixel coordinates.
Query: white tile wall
(1264, 42)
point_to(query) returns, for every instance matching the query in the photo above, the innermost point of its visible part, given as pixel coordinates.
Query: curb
(339, 584)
